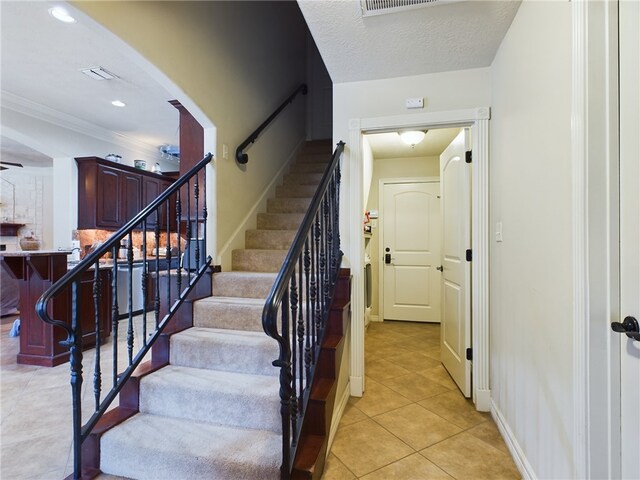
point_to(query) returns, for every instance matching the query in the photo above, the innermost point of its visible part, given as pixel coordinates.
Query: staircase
(214, 410)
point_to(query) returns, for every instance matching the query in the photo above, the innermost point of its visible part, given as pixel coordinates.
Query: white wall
(531, 282)
(237, 61)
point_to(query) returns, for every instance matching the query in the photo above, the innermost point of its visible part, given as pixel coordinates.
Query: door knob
(629, 326)
(440, 268)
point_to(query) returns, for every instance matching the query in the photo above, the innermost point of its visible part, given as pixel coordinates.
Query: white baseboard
(375, 318)
(338, 411)
(525, 468)
(356, 386)
(483, 400)
(236, 240)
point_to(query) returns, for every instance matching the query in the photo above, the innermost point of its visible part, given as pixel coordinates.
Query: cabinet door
(108, 198)
(150, 191)
(131, 196)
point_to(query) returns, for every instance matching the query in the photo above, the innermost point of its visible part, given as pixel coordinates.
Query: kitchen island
(36, 271)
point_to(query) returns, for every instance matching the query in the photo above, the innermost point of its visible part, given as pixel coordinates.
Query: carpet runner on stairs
(214, 411)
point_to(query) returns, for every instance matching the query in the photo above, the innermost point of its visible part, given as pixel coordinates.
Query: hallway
(412, 422)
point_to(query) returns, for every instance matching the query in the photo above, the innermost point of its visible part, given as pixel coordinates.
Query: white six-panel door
(455, 336)
(411, 239)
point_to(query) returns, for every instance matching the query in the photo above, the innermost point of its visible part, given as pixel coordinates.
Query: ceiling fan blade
(3, 168)
(12, 164)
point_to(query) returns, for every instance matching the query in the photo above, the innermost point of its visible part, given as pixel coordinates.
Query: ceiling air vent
(379, 7)
(98, 73)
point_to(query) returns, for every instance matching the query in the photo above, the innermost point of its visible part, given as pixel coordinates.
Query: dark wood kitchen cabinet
(111, 194)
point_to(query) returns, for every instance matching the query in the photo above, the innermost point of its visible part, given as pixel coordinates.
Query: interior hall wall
(531, 269)
(237, 61)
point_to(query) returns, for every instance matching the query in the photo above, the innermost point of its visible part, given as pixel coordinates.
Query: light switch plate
(498, 231)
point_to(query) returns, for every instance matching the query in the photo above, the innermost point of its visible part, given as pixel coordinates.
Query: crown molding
(41, 112)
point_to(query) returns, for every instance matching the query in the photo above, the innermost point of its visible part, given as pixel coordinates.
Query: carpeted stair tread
(156, 447)
(288, 205)
(243, 284)
(257, 260)
(213, 396)
(310, 167)
(280, 221)
(227, 350)
(269, 239)
(302, 178)
(235, 313)
(296, 191)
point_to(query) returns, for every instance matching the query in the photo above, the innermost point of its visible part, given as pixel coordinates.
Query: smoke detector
(380, 7)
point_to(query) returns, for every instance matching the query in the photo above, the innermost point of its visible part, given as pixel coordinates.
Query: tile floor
(412, 422)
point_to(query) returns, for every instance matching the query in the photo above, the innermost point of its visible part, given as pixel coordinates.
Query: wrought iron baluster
(156, 300)
(196, 194)
(323, 270)
(318, 296)
(130, 334)
(75, 362)
(97, 296)
(337, 212)
(204, 208)
(288, 420)
(144, 280)
(189, 230)
(114, 310)
(330, 251)
(168, 258)
(294, 347)
(301, 351)
(308, 307)
(178, 221)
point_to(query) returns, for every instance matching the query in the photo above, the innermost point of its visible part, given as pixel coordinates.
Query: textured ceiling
(431, 39)
(41, 59)
(390, 145)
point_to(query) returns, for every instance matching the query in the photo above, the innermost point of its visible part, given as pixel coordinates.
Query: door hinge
(468, 255)
(467, 156)
(469, 354)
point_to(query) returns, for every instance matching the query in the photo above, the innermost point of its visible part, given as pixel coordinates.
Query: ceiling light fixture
(60, 13)
(412, 137)
(118, 103)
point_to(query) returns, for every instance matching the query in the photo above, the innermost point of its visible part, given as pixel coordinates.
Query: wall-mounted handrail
(242, 157)
(141, 333)
(297, 308)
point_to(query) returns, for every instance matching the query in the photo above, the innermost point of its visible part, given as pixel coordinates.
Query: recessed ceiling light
(118, 103)
(60, 13)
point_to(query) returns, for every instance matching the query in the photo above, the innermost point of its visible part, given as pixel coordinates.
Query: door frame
(381, 183)
(353, 206)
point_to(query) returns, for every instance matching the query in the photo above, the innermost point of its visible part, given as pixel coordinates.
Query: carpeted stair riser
(296, 191)
(151, 447)
(269, 239)
(302, 179)
(309, 168)
(279, 221)
(242, 284)
(227, 350)
(288, 205)
(229, 313)
(314, 157)
(257, 260)
(219, 398)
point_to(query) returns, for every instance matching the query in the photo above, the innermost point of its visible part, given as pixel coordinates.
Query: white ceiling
(434, 38)
(390, 145)
(14, 152)
(41, 59)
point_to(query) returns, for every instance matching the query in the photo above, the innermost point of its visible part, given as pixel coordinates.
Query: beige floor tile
(414, 361)
(488, 432)
(439, 375)
(465, 456)
(42, 457)
(365, 446)
(383, 369)
(415, 387)
(433, 352)
(417, 426)
(352, 414)
(334, 469)
(384, 351)
(413, 467)
(378, 399)
(454, 407)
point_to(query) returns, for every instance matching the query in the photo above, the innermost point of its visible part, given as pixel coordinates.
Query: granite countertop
(34, 253)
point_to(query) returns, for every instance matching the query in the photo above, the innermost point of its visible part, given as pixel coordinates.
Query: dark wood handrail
(241, 157)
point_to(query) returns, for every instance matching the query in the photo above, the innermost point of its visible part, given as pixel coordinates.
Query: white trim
(520, 459)
(478, 119)
(381, 183)
(337, 415)
(579, 237)
(249, 221)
